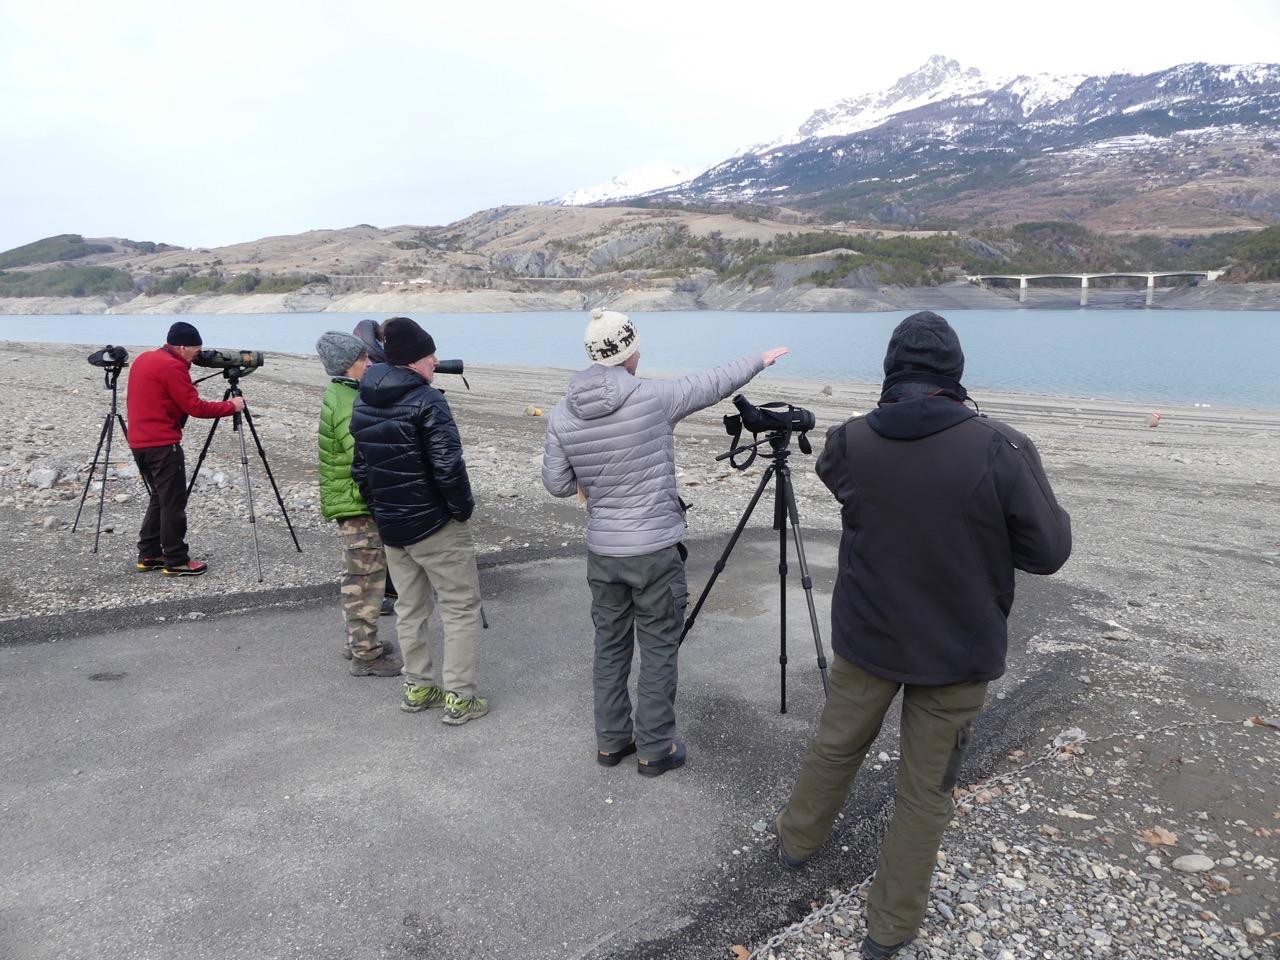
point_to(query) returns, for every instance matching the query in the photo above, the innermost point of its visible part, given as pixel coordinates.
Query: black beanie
(925, 342)
(404, 342)
(183, 334)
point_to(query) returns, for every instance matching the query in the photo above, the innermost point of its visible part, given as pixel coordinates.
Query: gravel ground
(1174, 570)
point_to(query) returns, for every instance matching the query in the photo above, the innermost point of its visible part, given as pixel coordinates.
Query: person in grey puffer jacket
(611, 441)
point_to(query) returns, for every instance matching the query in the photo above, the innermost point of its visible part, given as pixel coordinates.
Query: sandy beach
(1172, 584)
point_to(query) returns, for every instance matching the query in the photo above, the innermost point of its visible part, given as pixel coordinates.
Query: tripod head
(112, 360)
(778, 421)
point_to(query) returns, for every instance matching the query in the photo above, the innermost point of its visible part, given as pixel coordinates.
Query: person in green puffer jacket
(365, 578)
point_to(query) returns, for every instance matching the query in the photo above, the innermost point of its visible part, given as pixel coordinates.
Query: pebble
(1193, 863)
(1253, 928)
(1120, 635)
(975, 939)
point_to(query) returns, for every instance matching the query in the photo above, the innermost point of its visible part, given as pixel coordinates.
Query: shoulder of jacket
(1016, 437)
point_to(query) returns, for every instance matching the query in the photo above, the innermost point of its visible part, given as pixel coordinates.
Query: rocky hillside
(568, 258)
(1195, 147)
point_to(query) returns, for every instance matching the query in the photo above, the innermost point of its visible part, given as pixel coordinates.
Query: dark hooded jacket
(408, 462)
(939, 506)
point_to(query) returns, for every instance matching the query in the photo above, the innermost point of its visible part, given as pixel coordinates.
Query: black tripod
(784, 511)
(111, 377)
(233, 375)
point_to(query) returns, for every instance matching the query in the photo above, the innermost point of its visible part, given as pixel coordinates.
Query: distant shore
(957, 295)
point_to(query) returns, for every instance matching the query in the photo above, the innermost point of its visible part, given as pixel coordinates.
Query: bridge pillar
(1151, 288)
(1084, 289)
(1022, 289)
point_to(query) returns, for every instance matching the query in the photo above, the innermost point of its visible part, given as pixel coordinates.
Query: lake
(1220, 358)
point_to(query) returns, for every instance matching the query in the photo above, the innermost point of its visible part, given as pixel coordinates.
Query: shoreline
(1140, 406)
(953, 295)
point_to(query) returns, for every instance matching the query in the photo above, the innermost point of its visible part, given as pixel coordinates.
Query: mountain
(1193, 147)
(630, 183)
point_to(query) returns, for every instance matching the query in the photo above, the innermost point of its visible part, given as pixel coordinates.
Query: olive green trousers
(936, 722)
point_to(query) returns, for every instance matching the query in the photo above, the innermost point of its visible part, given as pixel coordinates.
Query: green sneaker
(417, 697)
(458, 710)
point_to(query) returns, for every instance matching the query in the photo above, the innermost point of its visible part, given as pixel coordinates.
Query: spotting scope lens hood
(449, 366)
(109, 356)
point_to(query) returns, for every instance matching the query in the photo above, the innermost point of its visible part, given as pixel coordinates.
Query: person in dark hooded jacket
(939, 505)
(409, 468)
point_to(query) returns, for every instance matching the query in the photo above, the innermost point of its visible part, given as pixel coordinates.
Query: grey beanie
(926, 343)
(338, 351)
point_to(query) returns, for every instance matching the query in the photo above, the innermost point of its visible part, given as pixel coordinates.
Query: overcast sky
(205, 124)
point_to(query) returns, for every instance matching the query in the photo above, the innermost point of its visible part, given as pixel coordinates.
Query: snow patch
(630, 183)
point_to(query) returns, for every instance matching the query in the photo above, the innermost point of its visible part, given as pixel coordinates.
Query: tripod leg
(124, 434)
(102, 493)
(262, 455)
(238, 427)
(191, 484)
(780, 492)
(724, 556)
(807, 582)
(93, 469)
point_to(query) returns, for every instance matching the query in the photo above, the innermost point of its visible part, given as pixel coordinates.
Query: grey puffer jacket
(612, 434)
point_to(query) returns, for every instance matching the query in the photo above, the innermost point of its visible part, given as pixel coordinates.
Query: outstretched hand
(770, 357)
(238, 403)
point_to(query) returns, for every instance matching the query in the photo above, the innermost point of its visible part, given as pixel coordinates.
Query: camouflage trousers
(363, 583)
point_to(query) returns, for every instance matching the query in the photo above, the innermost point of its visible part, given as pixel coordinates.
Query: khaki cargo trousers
(936, 722)
(440, 567)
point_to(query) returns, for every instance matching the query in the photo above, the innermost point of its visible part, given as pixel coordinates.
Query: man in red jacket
(159, 398)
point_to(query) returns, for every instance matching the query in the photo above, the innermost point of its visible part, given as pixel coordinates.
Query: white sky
(212, 123)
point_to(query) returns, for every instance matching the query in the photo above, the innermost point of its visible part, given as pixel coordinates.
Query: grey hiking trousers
(637, 600)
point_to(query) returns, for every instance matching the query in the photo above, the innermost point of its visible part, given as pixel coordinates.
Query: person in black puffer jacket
(409, 467)
(939, 505)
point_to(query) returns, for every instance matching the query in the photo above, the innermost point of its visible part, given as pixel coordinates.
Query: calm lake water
(1180, 356)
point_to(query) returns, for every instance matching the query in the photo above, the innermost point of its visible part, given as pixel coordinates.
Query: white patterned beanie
(611, 337)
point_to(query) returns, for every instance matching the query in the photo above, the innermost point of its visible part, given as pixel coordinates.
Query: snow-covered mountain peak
(629, 183)
(1043, 89)
(939, 78)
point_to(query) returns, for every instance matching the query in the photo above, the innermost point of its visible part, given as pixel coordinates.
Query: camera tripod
(784, 512)
(111, 377)
(233, 375)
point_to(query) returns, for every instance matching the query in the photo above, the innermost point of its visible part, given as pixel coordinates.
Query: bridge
(1084, 278)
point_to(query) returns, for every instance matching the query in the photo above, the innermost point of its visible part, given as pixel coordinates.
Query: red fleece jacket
(160, 396)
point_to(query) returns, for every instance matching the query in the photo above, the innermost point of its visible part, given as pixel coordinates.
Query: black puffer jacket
(408, 461)
(938, 507)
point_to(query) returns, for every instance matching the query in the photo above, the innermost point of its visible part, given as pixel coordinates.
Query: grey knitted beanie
(338, 351)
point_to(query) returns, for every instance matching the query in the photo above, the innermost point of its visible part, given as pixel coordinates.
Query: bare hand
(238, 403)
(770, 357)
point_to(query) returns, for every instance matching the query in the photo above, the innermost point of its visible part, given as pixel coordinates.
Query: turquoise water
(1181, 356)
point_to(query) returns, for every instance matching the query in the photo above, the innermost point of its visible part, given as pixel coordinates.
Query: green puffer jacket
(339, 495)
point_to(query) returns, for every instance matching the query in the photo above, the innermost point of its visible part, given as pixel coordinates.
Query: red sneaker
(147, 564)
(192, 568)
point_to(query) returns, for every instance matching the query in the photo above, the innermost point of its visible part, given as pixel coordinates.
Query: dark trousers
(935, 733)
(637, 599)
(164, 528)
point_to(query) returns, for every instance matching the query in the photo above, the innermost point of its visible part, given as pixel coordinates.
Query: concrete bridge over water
(1084, 278)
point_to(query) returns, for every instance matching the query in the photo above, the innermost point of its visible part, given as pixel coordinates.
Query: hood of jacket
(598, 391)
(384, 385)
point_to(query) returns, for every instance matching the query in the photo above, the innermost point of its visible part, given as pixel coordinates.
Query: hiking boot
(192, 568)
(388, 607)
(784, 858)
(655, 768)
(606, 759)
(878, 951)
(416, 697)
(386, 664)
(147, 564)
(458, 710)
